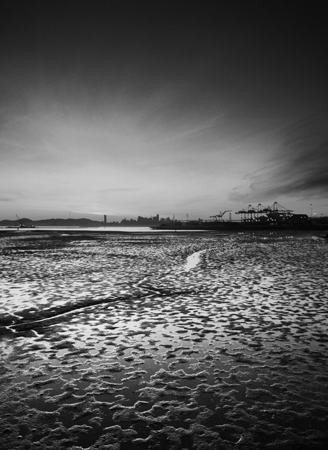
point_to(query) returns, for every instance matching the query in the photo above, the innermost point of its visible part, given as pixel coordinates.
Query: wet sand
(122, 342)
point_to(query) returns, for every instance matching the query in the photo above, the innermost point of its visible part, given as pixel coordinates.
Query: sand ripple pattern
(109, 343)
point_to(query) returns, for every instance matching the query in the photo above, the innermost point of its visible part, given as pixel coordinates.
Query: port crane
(220, 215)
(19, 221)
(22, 224)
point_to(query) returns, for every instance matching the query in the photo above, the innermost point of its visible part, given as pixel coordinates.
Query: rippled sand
(115, 342)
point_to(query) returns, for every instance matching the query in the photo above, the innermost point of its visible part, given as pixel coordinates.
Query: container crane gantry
(220, 215)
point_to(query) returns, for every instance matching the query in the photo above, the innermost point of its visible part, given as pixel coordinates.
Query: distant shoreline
(139, 222)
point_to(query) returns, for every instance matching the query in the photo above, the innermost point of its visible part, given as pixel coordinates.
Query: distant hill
(53, 222)
(67, 222)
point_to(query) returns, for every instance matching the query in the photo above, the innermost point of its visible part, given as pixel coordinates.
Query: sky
(130, 108)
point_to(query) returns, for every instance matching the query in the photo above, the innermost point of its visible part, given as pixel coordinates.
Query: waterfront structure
(271, 217)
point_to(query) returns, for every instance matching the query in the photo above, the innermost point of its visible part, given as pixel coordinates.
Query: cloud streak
(147, 107)
(299, 167)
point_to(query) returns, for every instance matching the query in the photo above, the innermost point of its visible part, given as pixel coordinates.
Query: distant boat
(21, 224)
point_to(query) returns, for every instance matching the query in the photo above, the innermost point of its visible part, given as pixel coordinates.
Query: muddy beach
(164, 341)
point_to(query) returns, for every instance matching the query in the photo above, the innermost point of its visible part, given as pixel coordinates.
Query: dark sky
(138, 107)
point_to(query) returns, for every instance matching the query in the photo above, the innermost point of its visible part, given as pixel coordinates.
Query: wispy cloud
(7, 198)
(120, 190)
(12, 196)
(299, 167)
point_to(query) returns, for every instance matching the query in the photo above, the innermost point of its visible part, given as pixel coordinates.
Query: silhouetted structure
(271, 217)
(139, 222)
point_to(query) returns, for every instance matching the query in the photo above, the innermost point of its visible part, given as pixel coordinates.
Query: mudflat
(118, 342)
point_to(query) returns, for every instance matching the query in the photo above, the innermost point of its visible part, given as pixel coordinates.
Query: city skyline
(123, 108)
(226, 215)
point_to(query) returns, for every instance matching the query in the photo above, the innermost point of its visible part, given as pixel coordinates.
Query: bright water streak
(193, 260)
